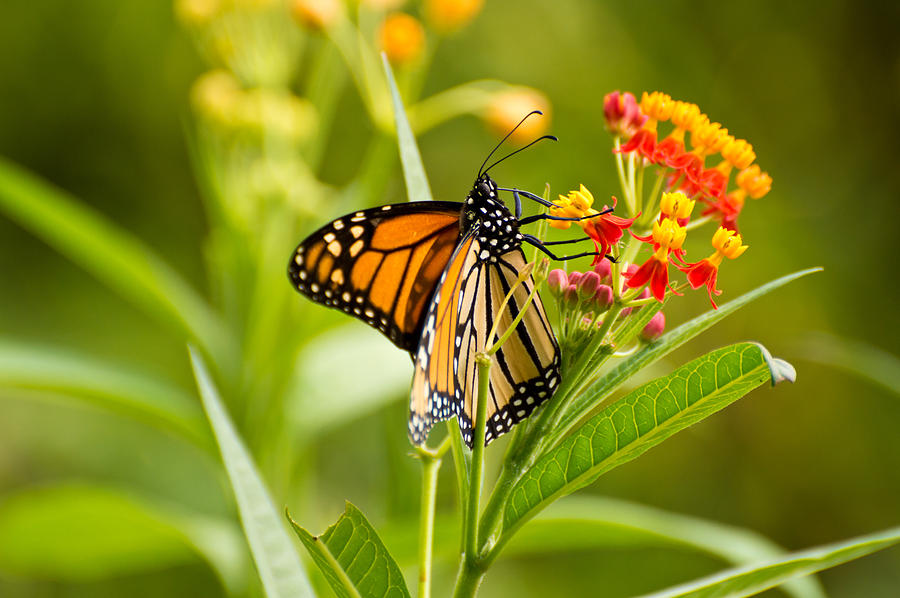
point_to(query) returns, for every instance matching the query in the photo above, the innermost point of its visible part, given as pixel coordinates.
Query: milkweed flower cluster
(686, 169)
(662, 220)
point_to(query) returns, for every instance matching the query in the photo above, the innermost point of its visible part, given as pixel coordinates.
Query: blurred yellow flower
(197, 12)
(402, 38)
(317, 14)
(508, 107)
(215, 94)
(219, 97)
(383, 5)
(447, 16)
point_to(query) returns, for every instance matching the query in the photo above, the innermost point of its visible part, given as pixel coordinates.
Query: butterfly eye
(484, 188)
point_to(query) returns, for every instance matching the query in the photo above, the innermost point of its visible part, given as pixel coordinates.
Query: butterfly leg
(566, 241)
(529, 195)
(537, 217)
(532, 240)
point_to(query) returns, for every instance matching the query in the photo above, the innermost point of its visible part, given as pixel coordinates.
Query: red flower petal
(644, 142)
(654, 271)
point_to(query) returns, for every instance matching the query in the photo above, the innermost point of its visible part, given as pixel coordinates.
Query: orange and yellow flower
(676, 206)
(605, 229)
(685, 170)
(727, 243)
(402, 38)
(667, 237)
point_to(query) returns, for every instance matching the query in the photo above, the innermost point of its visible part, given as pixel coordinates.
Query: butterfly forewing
(466, 304)
(380, 265)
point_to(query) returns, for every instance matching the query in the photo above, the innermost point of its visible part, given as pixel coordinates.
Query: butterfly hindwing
(380, 265)
(465, 306)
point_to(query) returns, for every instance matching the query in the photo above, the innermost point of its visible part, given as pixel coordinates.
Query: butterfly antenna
(553, 137)
(524, 118)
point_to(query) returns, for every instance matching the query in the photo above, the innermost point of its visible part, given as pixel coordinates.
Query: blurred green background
(94, 96)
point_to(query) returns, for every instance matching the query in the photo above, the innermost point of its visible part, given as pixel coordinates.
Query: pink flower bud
(603, 268)
(603, 298)
(574, 277)
(654, 328)
(622, 113)
(557, 282)
(570, 296)
(588, 285)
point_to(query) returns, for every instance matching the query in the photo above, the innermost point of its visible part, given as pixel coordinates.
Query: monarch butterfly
(431, 276)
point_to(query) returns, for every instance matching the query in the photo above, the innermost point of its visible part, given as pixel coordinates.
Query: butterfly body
(431, 276)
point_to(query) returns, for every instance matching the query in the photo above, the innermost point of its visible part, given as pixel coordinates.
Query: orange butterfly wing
(380, 265)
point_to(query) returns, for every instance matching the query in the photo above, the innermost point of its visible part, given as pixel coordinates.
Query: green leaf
(353, 558)
(635, 423)
(580, 521)
(417, 188)
(112, 255)
(108, 385)
(667, 343)
(276, 559)
(380, 376)
(78, 533)
(747, 581)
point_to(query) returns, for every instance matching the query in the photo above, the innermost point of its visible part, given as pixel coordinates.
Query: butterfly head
(484, 187)
(482, 199)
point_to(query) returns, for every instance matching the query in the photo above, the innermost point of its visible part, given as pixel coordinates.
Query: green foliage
(112, 255)
(747, 581)
(353, 558)
(50, 371)
(269, 166)
(609, 382)
(417, 188)
(276, 560)
(635, 423)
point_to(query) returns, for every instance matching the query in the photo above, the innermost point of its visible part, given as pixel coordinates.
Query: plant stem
(476, 475)
(431, 465)
(620, 168)
(471, 570)
(470, 577)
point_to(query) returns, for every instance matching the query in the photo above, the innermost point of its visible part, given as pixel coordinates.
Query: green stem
(470, 577)
(476, 475)
(639, 188)
(431, 465)
(697, 223)
(657, 187)
(471, 569)
(620, 168)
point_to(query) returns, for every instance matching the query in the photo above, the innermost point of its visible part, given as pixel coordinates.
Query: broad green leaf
(109, 385)
(78, 533)
(273, 552)
(417, 188)
(580, 521)
(353, 558)
(380, 375)
(112, 255)
(751, 580)
(635, 423)
(667, 343)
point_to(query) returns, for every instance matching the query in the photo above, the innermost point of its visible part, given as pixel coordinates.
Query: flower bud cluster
(584, 299)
